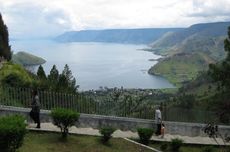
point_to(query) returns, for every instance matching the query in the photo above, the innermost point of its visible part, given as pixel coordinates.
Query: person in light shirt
(158, 120)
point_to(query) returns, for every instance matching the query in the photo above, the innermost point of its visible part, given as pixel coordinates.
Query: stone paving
(129, 134)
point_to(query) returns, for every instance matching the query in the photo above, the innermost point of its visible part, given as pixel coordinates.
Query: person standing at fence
(158, 120)
(35, 112)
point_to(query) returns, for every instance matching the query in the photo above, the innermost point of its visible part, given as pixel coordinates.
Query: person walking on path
(35, 112)
(158, 120)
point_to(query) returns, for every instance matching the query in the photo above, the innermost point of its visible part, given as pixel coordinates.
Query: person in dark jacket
(35, 105)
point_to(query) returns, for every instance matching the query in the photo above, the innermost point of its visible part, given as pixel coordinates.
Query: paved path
(128, 134)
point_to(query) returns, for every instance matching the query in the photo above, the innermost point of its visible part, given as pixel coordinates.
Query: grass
(50, 142)
(188, 147)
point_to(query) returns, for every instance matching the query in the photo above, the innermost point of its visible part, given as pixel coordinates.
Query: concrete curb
(153, 149)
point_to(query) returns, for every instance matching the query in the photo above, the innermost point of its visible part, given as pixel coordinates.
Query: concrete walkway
(129, 134)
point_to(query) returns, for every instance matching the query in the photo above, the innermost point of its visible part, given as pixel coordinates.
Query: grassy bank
(50, 142)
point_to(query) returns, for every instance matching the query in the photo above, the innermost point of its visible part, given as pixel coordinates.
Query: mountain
(189, 51)
(27, 59)
(132, 36)
(205, 37)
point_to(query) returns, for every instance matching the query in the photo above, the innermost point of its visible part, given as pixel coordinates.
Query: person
(35, 111)
(158, 120)
(162, 130)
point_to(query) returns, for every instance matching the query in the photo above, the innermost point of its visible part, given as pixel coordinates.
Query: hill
(26, 59)
(197, 34)
(181, 67)
(132, 36)
(189, 51)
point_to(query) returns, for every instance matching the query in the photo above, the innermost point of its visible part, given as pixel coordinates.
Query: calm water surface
(98, 64)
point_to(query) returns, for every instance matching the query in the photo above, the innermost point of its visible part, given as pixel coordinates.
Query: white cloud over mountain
(30, 18)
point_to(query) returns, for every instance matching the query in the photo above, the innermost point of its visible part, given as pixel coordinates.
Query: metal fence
(22, 97)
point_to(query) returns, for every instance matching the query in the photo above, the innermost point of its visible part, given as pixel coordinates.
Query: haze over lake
(98, 64)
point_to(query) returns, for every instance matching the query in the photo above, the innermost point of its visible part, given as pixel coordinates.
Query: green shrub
(64, 118)
(145, 134)
(176, 144)
(164, 146)
(106, 133)
(12, 132)
(208, 149)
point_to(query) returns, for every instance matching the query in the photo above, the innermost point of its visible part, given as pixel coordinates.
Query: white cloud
(33, 18)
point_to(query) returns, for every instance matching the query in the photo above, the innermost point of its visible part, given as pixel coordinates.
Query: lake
(98, 64)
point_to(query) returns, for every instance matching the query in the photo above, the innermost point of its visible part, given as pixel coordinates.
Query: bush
(106, 133)
(64, 118)
(145, 134)
(208, 149)
(176, 144)
(164, 146)
(12, 132)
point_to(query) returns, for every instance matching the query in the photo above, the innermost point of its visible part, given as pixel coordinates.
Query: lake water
(98, 64)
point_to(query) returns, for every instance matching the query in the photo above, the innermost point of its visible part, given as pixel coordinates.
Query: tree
(220, 72)
(41, 73)
(5, 49)
(53, 78)
(67, 80)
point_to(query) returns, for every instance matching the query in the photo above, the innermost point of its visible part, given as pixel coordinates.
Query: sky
(49, 18)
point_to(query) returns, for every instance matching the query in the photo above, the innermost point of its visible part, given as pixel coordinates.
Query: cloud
(210, 9)
(33, 18)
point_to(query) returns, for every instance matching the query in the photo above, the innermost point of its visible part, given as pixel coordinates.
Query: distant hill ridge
(132, 36)
(197, 35)
(189, 51)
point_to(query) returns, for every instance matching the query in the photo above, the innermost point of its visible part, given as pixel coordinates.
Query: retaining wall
(97, 121)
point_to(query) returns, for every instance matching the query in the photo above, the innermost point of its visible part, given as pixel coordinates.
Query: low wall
(97, 121)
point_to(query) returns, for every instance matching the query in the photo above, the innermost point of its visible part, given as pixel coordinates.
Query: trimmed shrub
(106, 133)
(145, 134)
(12, 132)
(176, 144)
(64, 119)
(164, 146)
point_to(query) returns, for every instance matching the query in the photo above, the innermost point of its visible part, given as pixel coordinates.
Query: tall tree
(220, 72)
(41, 73)
(66, 79)
(68, 74)
(54, 75)
(5, 49)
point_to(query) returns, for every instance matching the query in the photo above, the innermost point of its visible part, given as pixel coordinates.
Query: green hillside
(25, 59)
(189, 51)
(181, 67)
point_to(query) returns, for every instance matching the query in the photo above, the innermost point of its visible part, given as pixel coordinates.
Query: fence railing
(22, 97)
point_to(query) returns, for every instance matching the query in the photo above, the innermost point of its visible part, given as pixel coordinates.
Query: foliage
(15, 76)
(145, 134)
(220, 71)
(220, 74)
(5, 50)
(64, 119)
(106, 133)
(53, 77)
(41, 73)
(64, 82)
(12, 132)
(164, 146)
(208, 149)
(175, 144)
